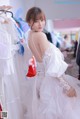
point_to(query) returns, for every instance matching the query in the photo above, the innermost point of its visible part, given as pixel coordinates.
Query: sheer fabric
(49, 101)
(9, 81)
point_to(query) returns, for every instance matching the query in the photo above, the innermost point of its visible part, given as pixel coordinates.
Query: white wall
(24, 4)
(4, 2)
(16, 4)
(54, 9)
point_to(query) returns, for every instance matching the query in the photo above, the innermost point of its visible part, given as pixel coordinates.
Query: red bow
(0, 111)
(0, 107)
(32, 67)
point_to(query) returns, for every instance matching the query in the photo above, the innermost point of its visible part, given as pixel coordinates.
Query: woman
(54, 95)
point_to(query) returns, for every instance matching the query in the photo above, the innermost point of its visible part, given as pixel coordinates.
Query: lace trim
(64, 83)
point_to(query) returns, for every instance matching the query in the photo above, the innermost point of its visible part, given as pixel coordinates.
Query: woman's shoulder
(39, 35)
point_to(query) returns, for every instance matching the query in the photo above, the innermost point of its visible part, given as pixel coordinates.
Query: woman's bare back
(38, 44)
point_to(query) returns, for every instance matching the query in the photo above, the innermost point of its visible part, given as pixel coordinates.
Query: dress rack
(5, 9)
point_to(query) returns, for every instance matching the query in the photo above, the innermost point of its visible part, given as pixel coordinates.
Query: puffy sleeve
(54, 63)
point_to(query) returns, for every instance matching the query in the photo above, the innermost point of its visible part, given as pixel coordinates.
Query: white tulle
(48, 99)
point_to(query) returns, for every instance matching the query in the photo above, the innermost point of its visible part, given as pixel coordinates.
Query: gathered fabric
(48, 99)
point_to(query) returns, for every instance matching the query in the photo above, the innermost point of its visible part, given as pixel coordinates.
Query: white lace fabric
(49, 101)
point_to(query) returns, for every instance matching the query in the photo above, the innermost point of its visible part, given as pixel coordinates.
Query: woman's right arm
(54, 64)
(55, 67)
(67, 89)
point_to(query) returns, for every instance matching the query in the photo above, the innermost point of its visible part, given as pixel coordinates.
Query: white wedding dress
(48, 99)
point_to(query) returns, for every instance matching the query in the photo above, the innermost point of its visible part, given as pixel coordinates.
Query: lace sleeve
(64, 83)
(55, 66)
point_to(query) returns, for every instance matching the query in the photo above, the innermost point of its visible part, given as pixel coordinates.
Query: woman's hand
(70, 92)
(67, 89)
